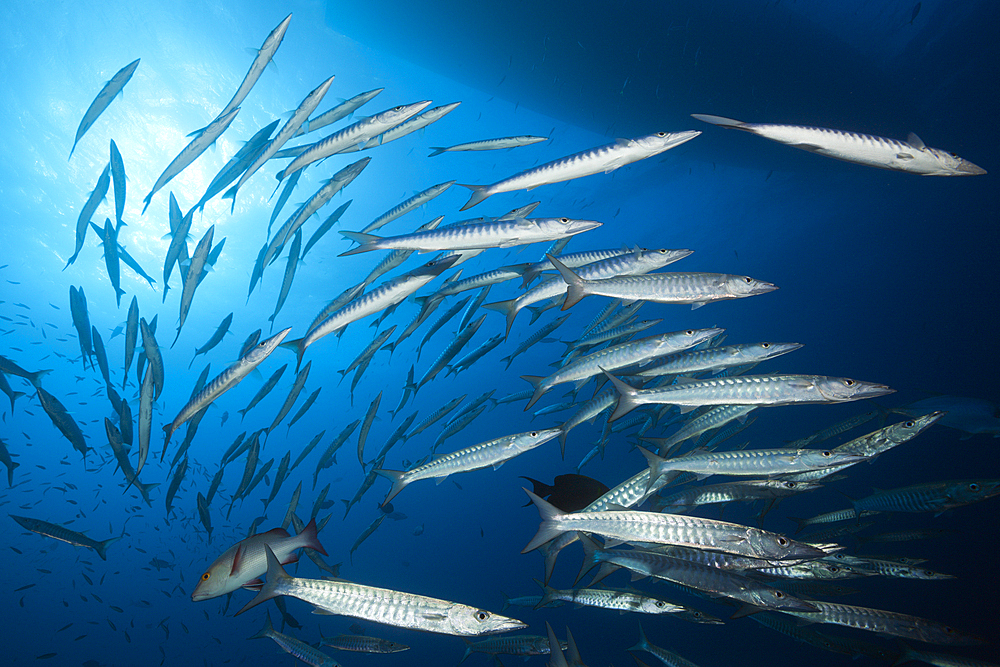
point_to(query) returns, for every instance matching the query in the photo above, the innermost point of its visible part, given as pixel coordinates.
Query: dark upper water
(884, 276)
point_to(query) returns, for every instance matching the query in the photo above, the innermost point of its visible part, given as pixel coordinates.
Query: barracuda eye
(662, 251)
(564, 220)
(910, 424)
(849, 383)
(974, 487)
(833, 569)
(689, 332)
(782, 541)
(206, 576)
(765, 345)
(826, 453)
(779, 594)
(533, 434)
(789, 485)
(398, 109)
(663, 134)
(482, 615)
(747, 279)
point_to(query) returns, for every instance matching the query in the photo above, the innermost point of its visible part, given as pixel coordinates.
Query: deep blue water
(883, 276)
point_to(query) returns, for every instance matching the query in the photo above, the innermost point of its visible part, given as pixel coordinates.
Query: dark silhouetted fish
(569, 492)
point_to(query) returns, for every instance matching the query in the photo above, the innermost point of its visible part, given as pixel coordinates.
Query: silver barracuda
(500, 143)
(264, 55)
(755, 489)
(191, 152)
(760, 390)
(352, 135)
(381, 605)
(680, 530)
(911, 155)
(607, 598)
(103, 100)
(328, 224)
(62, 420)
(490, 453)
(573, 260)
(638, 352)
(362, 644)
(714, 581)
(594, 161)
(335, 184)
(307, 653)
(410, 126)
(492, 234)
(930, 497)
(63, 534)
(397, 257)
(97, 195)
(717, 358)
(749, 462)
(716, 417)
(287, 131)
(225, 381)
(451, 350)
(696, 289)
(638, 261)
(886, 623)
(384, 296)
(199, 258)
(341, 111)
(413, 202)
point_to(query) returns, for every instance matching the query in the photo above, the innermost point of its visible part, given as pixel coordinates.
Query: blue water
(884, 276)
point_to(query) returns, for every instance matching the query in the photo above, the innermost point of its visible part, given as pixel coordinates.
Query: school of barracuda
(644, 380)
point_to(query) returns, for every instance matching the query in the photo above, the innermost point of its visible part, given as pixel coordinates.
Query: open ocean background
(884, 276)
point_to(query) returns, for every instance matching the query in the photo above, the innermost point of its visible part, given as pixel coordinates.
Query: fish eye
(533, 434)
(849, 383)
(826, 453)
(663, 134)
(910, 424)
(782, 541)
(482, 615)
(564, 220)
(974, 487)
(747, 279)
(662, 251)
(779, 594)
(689, 332)
(833, 569)
(789, 485)
(765, 345)
(398, 109)
(206, 576)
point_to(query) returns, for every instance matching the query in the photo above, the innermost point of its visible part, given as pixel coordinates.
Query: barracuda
(192, 152)
(623, 355)
(387, 294)
(225, 381)
(586, 163)
(483, 455)
(353, 134)
(638, 261)
(760, 390)
(287, 131)
(635, 526)
(499, 233)
(490, 144)
(381, 605)
(911, 156)
(342, 110)
(408, 205)
(104, 100)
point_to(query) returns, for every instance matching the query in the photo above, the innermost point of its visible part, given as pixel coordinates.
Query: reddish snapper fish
(245, 561)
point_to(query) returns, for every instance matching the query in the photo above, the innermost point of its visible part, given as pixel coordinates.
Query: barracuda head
(261, 351)
(846, 389)
(952, 165)
(772, 546)
(472, 622)
(650, 260)
(826, 458)
(662, 141)
(911, 428)
(972, 491)
(775, 599)
(743, 286)
(683, 340)
(761, 351)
